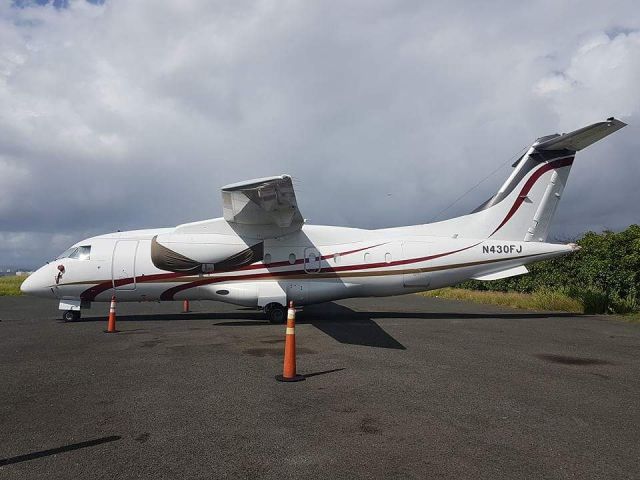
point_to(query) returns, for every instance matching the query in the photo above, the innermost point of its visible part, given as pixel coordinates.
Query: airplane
(262, 254)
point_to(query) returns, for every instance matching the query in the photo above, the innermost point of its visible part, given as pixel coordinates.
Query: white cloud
(132, 114)
(602, 75)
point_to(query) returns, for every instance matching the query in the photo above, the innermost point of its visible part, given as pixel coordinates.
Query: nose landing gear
(71, 315)
(71, 309)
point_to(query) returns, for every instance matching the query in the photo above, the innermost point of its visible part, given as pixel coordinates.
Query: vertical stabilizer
(525, 204)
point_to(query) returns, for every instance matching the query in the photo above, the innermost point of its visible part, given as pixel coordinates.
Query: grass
(632, 317)
(542, 300)
(10, 285)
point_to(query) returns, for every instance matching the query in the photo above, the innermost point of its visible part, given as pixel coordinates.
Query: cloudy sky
(122, 114)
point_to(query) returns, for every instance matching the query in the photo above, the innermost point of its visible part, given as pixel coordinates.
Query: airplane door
(123, 264)
(416, 278)
(311, 260)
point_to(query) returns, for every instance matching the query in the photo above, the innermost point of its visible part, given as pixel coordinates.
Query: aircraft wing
(267, 204)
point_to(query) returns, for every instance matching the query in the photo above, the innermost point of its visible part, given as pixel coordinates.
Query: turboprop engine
(202, 253)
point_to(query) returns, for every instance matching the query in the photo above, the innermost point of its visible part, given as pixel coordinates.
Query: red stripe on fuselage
(169, 294)
(92, 292)
(562, 162)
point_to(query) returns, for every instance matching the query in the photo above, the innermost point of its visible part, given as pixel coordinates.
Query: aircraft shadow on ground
(54, 451)
(338, 321)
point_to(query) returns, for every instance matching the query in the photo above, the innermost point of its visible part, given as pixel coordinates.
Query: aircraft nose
(28, 287)
(36, 284)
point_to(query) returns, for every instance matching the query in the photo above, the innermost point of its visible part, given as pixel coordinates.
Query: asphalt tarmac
(401, 387)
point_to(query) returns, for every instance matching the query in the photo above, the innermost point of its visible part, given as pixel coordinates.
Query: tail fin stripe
(562, 162)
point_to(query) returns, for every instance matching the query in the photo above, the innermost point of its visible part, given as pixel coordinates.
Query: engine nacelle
(202, 253)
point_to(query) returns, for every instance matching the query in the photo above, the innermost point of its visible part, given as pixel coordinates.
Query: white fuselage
(314, 264)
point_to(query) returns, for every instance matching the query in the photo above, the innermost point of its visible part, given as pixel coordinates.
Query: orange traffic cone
(185, 306)
(289, 367)
(111, 327)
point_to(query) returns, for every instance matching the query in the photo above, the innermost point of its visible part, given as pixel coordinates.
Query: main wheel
(276, 313)
(71, 316)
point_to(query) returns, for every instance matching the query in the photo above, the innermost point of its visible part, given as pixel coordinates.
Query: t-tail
(524, 206)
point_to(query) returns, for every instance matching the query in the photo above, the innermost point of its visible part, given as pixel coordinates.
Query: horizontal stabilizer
(581, 138)
(509, 272)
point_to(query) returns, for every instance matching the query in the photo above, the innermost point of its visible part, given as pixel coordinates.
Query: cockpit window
(66, 253)
(79, 253)
(82, 253)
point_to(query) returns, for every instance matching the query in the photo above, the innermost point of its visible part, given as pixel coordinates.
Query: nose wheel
(71, 316)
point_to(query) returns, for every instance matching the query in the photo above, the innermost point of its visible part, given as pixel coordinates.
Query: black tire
(276, 313)
(71, 316)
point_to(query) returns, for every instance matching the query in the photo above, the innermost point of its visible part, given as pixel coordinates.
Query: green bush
(593, 301)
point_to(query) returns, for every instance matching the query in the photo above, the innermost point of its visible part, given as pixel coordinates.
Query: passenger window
(367, 257)
(387, 257)
(292, 258)
(267, 259)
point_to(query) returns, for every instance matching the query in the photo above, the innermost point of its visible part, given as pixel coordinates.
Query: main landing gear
(71, 315)
(276, 313)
